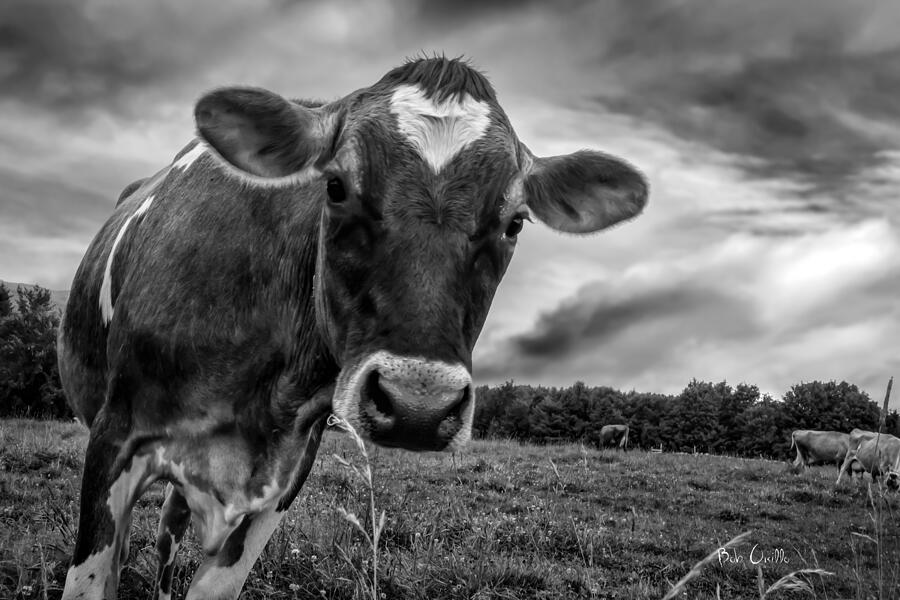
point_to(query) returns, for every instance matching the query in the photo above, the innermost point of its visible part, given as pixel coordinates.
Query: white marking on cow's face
(106, 306)
(190, 156)
(439, 130)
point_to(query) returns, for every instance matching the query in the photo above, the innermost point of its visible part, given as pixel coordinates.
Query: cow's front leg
(111, 483)
(222, 575)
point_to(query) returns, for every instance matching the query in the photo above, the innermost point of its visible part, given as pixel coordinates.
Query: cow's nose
(410, 414)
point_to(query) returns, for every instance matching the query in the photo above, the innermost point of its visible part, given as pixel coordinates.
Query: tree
(830, 407)
(5, 302)
(765, 430)
(29, 376)
(692, 419)
(732, 408)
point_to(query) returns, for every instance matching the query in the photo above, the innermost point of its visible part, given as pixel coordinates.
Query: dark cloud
(625, 334)
(795, 89)
(782, 112)
(589, 318)
(441, 13)
(71, 56)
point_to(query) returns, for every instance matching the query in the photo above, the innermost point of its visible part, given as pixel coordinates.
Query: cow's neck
(310, 366)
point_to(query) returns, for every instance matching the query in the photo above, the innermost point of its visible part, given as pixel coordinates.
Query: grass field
(500, 520)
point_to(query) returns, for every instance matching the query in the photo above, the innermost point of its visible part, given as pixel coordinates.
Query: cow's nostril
(457, 406)
(378, 396)
(452, 421)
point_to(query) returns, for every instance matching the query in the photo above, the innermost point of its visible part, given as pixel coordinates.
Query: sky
(769, 252)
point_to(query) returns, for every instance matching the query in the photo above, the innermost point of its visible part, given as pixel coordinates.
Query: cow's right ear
(262, 133)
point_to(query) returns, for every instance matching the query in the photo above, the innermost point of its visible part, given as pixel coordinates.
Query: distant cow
(878, 455)
(614, 435)
(819, 447)
(298, 258)
(857, 436)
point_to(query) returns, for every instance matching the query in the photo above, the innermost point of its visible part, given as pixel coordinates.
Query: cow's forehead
(418, 155)
(438, 129)
(442, 109)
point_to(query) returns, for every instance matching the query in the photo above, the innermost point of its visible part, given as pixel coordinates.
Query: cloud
(593, 316)
(93, 56)
(797, 90)
(817, 306)
(441, 13)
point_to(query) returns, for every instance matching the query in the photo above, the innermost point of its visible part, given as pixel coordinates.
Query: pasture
(499, 520)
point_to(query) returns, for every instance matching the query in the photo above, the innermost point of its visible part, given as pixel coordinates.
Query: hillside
(59, 297)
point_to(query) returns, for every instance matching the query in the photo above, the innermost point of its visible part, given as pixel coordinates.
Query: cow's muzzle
(408, 402)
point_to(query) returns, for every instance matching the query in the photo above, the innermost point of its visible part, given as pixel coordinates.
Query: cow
(614, 435)
(857, 436)
(878, 455)
(819, 447)
(297, 259)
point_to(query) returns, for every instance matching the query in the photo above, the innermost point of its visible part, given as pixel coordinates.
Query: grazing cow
(857, 436)
(298, 259)
(819, 447)
(614, 435)
(876, 454)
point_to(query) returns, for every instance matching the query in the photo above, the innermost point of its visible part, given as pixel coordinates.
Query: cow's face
(423, 192)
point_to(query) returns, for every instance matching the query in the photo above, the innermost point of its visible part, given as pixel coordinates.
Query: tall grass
(364, 475)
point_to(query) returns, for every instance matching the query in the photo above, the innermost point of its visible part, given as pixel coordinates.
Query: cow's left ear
(584, 191)
(262, 133)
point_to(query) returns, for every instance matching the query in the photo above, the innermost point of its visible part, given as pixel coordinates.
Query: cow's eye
(336, 191)
(514, 227)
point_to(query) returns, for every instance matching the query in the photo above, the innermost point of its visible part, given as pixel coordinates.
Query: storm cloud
(100, 55)
(798, 91)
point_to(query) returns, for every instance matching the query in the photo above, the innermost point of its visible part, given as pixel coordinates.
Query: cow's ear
(584, 191)
(262, 133)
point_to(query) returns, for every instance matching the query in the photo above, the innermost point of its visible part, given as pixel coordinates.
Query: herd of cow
(858, 452)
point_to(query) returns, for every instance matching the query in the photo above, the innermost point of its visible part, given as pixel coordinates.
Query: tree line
(704, 417)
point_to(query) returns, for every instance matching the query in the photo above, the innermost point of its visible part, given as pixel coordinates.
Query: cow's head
(423, 188)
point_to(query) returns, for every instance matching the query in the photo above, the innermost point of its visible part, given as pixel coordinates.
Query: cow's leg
(848, 460)
(800, 461)
(222, 576)
(173, 521)
(110, 485)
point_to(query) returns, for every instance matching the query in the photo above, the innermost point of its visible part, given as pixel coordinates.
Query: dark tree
(29, 376)
(830, 407)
